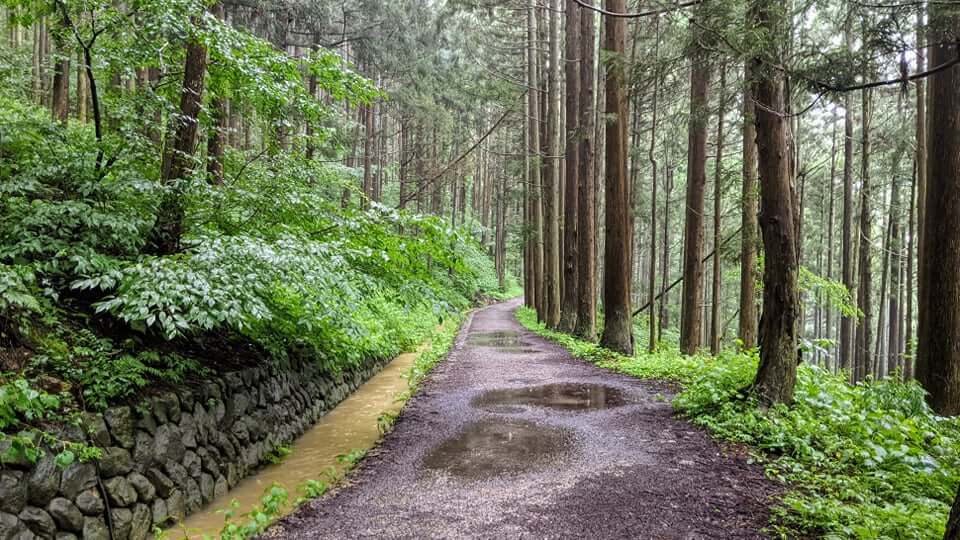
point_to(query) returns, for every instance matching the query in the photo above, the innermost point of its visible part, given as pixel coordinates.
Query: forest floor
(512, 437)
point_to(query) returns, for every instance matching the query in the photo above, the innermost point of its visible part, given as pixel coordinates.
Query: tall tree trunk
(83, 89)
(921, 143)
(750, 228)
(533, 79)
(908, 359)
(61, 77)
(847, 358)
(216, 140)
(664, 312)
(586, 194)
(896, 263)
(368, 141)
(568, 315)
(690, 312)
(830, 213)
(168, 229)
(717, 209)
(551, 183)
(864, 264)
(617, 315)
(652, 156)
(776, 375)
(938, 356)
(404, 137)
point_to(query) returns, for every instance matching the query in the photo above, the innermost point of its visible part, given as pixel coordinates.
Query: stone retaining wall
(170, 455)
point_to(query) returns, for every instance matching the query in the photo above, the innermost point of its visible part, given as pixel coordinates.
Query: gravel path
(511, 437)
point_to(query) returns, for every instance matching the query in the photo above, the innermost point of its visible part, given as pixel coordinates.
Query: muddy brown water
(351, 425)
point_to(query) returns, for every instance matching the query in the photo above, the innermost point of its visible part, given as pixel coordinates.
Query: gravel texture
(465, 462)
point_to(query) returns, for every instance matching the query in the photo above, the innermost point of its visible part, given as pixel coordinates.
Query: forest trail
(512, 437)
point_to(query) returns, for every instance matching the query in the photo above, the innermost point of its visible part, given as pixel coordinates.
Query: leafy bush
(103, 374)
(865, 461)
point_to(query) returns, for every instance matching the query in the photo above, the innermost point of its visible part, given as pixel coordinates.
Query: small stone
(220, 487)
(13, 492)
(11, 527)
(38, 521)
(159, 513)
(176, 506)
(170, 404)
(96, 429)
(76, 478)
(191, 462)
(187, 399)
(122, 520)
(193, 498)
(188, 430)
(94, 528)
(120, 422)
(233, 475)
(142, 521)
(66, 514)
(65, 536)
(143, 457)
(120, 491)
(177, 472)
(234, 380)
(115, 462)
(167, 444)
(44, 481)
(147, 422)
(206, 487)
(145, 490)
(89, 503)
(163, 484)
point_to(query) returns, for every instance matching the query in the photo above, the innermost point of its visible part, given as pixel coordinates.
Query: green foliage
(22, 405)
(103, 374)
(867, 461)
(278, 454)
(258, 518)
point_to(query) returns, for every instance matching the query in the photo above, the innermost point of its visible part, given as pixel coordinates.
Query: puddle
(351, 425)
(560, 396)
(505, 341)
(493, 447)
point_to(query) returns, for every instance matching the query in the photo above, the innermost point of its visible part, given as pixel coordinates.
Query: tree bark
(533, 80)
(168, 229)
(617, 315)
(717, 209)
(864, 264)
(586, 327)
(938, 355)
(216, 141)
(568, 314)
(551, 183)
(776, 375)
(652, 275)
(830, 213)
(750, 233)
(690, 312)
(846, 262)
(908, 359)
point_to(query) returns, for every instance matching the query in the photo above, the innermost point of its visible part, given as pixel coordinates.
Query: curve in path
(511, 437)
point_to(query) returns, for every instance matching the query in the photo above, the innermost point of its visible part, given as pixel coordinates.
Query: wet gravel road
(511, 437)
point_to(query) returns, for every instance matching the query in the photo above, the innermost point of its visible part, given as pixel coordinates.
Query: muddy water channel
(350, 426)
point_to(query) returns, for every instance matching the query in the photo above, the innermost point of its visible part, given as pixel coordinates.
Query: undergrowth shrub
(863, 461)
